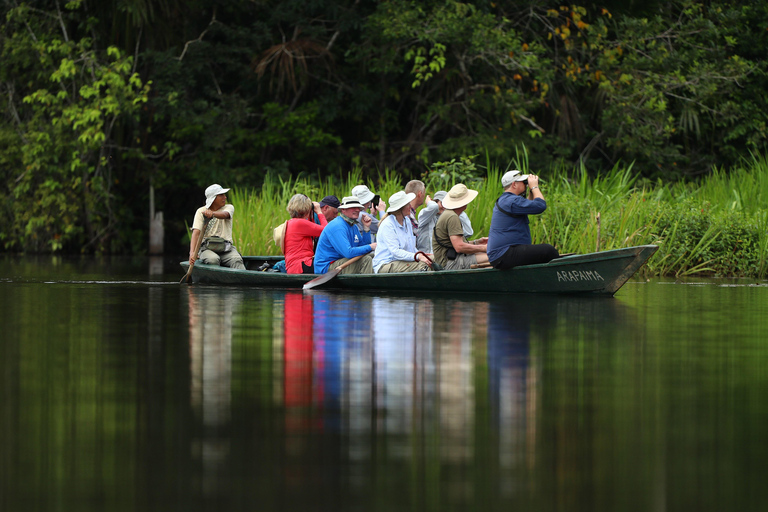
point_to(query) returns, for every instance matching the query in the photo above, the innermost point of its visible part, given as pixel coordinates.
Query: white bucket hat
(211, 193)
(399, 199)
(350, 202)
(459, 196)
(439, 195)
(512, 176)
(362, 194)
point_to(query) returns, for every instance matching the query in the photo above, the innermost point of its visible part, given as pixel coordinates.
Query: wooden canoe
(599, 273)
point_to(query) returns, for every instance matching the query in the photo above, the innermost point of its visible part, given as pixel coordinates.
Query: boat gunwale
(611, 254)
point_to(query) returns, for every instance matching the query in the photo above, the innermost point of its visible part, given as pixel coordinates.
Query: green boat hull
(600, 273)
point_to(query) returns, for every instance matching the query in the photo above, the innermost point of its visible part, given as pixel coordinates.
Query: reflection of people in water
(297, 353)
(508, 369)
(210, 340)
(342, 329)
(210, 352)
(395, 326)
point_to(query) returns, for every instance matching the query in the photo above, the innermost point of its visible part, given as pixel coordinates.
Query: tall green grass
(717, 226)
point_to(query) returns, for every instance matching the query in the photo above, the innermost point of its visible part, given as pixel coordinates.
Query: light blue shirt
(394, 242)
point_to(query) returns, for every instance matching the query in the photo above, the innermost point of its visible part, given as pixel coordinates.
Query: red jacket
(299, 246)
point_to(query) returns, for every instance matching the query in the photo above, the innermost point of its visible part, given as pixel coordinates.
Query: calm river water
(122, 390)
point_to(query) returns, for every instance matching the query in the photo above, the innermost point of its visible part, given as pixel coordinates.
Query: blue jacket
(340, 240)
(506, 230)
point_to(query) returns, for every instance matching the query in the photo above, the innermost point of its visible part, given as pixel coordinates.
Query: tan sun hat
(350, 202)
(459, 196)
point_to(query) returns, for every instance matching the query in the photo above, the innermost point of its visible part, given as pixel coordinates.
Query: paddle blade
(322, 279)
(188, 276)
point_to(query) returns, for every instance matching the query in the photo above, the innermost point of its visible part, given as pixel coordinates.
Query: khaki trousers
(362, 266)
(231, 258)
(403, 266)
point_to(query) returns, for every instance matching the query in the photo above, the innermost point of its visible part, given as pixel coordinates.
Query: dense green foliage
(109, 102)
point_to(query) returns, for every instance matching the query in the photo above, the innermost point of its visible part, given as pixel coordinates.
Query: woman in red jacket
(300, 232)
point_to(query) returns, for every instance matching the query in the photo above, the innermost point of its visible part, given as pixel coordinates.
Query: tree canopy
(105, 100)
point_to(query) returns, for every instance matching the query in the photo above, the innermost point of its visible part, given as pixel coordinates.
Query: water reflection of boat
(517, 329)
(600, 273)
(436, 383)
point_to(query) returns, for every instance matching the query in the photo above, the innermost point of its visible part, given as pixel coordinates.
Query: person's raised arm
(429, 211)
(534, 190)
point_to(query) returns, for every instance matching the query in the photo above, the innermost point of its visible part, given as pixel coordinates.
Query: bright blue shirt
(339, 240)
(506, 230)
(394, 242)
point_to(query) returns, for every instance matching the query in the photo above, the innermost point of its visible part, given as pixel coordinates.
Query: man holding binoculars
(509, 238)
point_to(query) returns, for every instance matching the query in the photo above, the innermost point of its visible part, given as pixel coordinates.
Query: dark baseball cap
(330, 201)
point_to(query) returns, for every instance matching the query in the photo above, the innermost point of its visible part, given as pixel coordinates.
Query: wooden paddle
(331, 273)
(188, 276)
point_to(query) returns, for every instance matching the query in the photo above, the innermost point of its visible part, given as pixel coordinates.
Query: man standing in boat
(509, 239)
(217, 248)
(342, 240)
(452, 250)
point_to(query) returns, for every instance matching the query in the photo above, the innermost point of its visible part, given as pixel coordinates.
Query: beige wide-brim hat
(399, 199)
(458, 196)
(350, 202)
(211, 193)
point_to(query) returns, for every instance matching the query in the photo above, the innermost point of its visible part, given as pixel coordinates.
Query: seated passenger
(509, 239)
(300, 232)
(370, 210)
(419, 190)
(428, 219)
(396, 245)
(217, 248)
(452, 250)
(341, 240)
(330, 207)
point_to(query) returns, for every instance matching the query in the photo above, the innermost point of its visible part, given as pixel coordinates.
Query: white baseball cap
(512, 176)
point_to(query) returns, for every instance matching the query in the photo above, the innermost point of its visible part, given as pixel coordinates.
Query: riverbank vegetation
(116, 110)
(718, 227)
